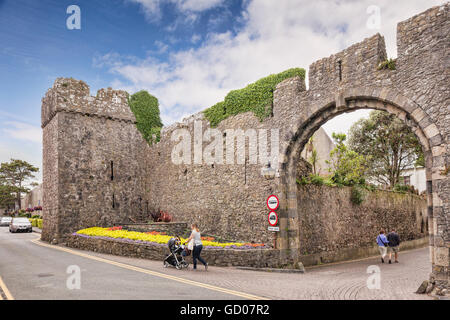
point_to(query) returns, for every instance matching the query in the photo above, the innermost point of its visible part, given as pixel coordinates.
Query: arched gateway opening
(349, 101)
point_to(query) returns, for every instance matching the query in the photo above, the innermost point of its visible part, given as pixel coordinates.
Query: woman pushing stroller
(196, 246)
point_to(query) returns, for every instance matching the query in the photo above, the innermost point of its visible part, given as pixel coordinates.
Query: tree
(7, 196)
(14, 174)
(314, 158)
(347, 166)
(388, 144)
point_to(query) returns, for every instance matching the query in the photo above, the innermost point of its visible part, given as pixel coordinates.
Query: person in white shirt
(198, 246)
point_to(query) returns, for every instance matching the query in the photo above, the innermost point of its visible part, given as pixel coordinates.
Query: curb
(271, 270)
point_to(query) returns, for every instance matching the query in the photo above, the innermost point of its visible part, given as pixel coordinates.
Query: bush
(389, 64)
(316, 179)
(36, 223)
(405, 188)
(256, 97)
(358, 194)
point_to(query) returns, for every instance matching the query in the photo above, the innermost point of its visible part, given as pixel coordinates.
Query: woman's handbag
(190, 245)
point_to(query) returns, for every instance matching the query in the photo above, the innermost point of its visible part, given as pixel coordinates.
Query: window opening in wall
(340, 70)
(112, 170)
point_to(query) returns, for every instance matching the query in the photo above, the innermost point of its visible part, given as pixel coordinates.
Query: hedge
(36, 223)
(256, 97)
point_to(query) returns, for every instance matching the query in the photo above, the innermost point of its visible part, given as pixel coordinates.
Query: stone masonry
(84, 135)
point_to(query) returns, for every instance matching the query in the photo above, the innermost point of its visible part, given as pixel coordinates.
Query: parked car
(5, 221)
(20, 224)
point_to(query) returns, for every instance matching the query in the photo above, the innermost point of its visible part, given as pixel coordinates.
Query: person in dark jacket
(393, 243)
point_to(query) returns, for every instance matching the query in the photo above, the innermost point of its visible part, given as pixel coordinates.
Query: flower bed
(117, 233)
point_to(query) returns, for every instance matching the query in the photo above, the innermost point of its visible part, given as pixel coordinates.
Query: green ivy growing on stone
(256, 97)
(358, 194)
(387, 64)
(146, 110)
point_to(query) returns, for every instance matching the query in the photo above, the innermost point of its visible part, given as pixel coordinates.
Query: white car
(21, 225)
(5, 221)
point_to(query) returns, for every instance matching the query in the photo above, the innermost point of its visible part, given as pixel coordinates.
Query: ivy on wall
(146, 110)
(256, 97)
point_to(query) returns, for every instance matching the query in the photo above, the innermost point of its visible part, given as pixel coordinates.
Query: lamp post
(268, 172)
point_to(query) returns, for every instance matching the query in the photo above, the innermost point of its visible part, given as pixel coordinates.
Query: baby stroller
(175, 258)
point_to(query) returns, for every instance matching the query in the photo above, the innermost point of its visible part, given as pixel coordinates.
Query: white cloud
(19, 140)
(197, 5)
(277, 35)
(22, 131)
(151, 8)
(190, 8)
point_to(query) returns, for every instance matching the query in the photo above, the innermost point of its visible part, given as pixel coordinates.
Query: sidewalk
(37, 230)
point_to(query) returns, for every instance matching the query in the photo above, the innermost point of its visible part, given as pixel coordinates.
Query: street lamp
(268, 172)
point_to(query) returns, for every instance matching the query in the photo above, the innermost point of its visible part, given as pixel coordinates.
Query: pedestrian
(394, 243)
(382, 244)
(198, 246)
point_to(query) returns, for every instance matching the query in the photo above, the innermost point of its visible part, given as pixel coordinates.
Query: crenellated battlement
(358, 61)
(71, 95)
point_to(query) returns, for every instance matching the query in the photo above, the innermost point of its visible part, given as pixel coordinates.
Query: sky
(187, 53)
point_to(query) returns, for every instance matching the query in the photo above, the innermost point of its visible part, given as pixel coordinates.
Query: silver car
(21, 225)
(5, 221)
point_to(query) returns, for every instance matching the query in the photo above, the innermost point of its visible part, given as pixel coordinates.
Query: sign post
(273, 203)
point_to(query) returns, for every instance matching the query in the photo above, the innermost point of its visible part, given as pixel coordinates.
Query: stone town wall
(94, 160)
(225, 200)
(258, 258)
(330, 222)
(82, 134)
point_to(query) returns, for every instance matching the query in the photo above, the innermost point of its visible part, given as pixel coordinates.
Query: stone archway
(414, 116)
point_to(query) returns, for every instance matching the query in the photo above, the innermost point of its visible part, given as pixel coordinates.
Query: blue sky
(188, 53)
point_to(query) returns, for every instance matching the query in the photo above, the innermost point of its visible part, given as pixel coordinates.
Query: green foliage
(146, 110)
(316, 180)
(405, 189)
(347, 167)
(7, 196)
(13, 175)
(389, 64)
(36, 222)
(256, 97)
(388, 144)
(358, 194)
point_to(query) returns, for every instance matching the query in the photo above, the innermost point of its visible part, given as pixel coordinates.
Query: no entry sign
(272, 202)
(273, 218)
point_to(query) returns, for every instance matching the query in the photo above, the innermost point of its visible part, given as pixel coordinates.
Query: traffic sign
(273, 202)
(273, 218)
(276, 229)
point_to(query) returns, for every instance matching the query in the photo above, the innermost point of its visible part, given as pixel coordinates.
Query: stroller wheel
(179, 266)
(166, 264)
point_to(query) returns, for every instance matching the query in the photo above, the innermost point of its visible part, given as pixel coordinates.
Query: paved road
(36, 270)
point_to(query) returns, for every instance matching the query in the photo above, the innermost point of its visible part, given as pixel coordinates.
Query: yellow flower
(133, 235)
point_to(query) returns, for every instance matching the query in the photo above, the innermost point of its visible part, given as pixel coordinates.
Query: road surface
(31, 269)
